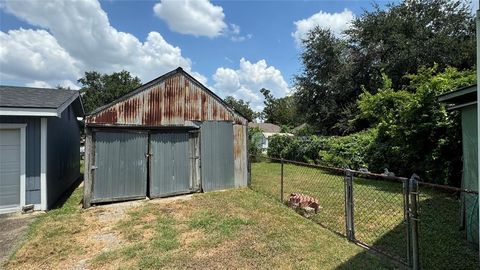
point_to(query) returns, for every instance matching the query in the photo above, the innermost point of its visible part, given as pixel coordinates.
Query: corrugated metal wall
(63, 154)
(217, 163)
(170, 102)
(121, 166)
(32, 164)
(169, 163)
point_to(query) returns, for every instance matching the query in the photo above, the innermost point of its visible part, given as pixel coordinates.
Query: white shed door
(9, 169)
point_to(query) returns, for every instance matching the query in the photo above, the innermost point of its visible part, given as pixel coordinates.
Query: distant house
(268, 130)
(465, 100)
(39, 146)
(265, 127)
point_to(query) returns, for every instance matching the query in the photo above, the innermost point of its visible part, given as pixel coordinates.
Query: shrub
(348, 151)
(277, 145)
(254, 141)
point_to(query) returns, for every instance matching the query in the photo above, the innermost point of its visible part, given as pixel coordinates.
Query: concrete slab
(13, 228)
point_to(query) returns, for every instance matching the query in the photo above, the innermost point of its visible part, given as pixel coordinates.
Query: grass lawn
(378, 213)
(220, 230)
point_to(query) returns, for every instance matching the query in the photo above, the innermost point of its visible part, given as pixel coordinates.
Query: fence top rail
(342, 170)
(371, 175)
(446, 188)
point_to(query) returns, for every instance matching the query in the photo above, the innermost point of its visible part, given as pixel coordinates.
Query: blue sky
(234, 47)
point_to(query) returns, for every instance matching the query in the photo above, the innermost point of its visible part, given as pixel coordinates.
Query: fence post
(281, 182)
(406, 206)
(349, 207)
(413, 220)
(249, 171)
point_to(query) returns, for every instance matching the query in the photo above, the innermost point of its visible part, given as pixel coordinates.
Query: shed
(39, 146)
(465, 100)
(169, 136)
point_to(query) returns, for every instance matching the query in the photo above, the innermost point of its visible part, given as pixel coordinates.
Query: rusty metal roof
(171, 99)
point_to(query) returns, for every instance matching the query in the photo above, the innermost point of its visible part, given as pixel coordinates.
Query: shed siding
(63, 154)
(32, 164)
(121, 166)
(470, 146)
(216, 150)
(169, 164)
(171, 102)
(240, 155)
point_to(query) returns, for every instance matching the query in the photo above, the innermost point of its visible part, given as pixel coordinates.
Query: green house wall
(470, 171)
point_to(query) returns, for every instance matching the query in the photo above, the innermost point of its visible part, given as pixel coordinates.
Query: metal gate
(171, 162)
(120, 170)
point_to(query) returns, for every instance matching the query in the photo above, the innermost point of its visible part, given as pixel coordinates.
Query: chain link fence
(413, 223)
(448, 227)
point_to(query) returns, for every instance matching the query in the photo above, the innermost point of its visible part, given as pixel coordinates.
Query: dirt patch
(189, 237)
(149, 218)
(13, 229)
(109, 240)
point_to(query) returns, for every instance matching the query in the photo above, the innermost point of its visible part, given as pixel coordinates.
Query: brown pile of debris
(305, 205)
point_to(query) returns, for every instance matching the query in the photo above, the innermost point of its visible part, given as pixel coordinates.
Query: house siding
(470, 173)
(32, 162)
(63, 154)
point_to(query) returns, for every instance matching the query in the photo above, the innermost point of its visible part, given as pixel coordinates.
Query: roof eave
(457, 95)
(43, 112)
(20, 111)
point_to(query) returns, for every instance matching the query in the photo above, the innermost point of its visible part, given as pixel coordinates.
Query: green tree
(279, 111)
(243, 107)
(395, 41)
(405, 36)
(324, 90)
(100, 89)
(415, 133)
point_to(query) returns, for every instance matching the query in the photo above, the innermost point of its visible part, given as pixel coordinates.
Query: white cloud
(240, 38)
(80, 38)
(40, 84)
(68, 84)
(336, 22)
(34, 54)
(198, 18)
(246, 82)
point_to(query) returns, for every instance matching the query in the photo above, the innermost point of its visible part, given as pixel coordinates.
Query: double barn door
(131, 165)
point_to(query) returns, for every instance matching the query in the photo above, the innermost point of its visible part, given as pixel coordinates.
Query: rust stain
(238, 141)
(107, 116)
(173, 101)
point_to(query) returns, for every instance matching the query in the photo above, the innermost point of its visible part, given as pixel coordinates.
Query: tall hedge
(347, 151)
